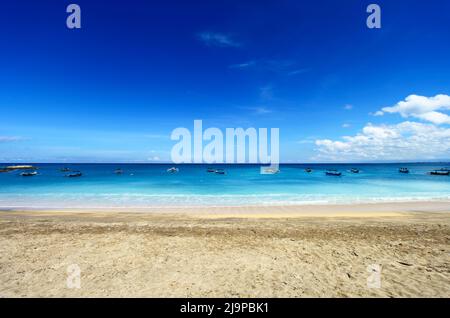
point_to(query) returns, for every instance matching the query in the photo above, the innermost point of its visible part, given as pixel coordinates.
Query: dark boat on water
(75, 174)
(354, 170)
(333, 173)
(219, 171)
(118, 171)
(403, 170)
(29, 174)
(309, 170)
(173, 170)
(440, 172)
(211, 170)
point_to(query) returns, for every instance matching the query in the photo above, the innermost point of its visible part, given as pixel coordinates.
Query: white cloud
(279, 66)
(422, 107)
(308, 140)
(217, 39)
(298, 71)
(403, 141)
(10, 138)
(243, 65)
(258, 110)
(261, 110)
(348, 107)
(266, 93)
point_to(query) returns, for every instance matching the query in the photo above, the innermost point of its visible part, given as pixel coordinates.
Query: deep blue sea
(150, 185)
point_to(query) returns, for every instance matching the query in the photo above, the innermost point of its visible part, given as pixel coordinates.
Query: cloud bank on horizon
(408, 140)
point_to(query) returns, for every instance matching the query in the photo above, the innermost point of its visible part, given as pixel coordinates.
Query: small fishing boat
(29, 174)
(211, 170)
(354, 170)
(440, 172)
(403, 170)
(308, 170)
(75, 174)
(269, 170)
(118, 171)
(219, 171)
(334, 173)
(64, 169)
(173, 170)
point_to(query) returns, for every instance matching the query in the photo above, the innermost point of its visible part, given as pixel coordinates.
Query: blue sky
(114, 90)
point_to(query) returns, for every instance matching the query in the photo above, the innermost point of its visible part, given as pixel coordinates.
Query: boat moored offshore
(75, 174)
(29, 174)
(440, 172)
(269, 170)
(333, 173)
(173, 170)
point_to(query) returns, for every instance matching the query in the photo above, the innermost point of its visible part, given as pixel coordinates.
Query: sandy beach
(296, 251)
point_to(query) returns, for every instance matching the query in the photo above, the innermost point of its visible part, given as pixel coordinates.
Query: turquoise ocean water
(151, 185)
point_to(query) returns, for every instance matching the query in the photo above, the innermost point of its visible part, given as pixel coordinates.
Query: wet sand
(309, 251)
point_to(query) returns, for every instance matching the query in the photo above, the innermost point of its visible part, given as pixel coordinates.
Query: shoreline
(266, 211)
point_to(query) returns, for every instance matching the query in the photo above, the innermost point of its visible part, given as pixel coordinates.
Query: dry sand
(229, 252)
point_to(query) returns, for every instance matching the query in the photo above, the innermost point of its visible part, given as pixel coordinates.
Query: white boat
(269, 170)
(173, 170)
(28, 174)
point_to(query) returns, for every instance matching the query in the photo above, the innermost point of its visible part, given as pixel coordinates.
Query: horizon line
(224, 163)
